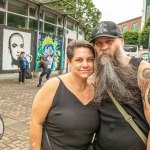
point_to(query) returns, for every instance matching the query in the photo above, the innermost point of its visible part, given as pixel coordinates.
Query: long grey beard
(117, 77)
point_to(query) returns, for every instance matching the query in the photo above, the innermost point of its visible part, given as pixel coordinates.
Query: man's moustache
(100, 54)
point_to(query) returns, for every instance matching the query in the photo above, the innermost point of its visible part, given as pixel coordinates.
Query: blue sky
(119, 10)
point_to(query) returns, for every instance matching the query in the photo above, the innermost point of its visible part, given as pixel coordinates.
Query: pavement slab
(15, 109)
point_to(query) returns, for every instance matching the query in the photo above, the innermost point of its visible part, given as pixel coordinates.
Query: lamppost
(149, 47)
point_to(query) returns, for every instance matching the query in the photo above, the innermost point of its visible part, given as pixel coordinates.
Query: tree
(88, 14)
(131, 37)
(82, 10)
(144, 37)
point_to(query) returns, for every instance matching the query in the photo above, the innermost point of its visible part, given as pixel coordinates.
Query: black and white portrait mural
(13, 43)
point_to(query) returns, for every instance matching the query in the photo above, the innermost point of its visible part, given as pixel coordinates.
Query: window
(125, 28)
(75, 27)
(17, 7)
(146, 56)
(50, 18)
(32, 12)
(60, 32)
(2, 3)
(70, 25)
(131, 50)
(2, 17)
(134, 26)
(81, 31)
(48, 28)
(33, 24)
(41, 26)
(148, 2)
(16, 21)
(60, 20)
(147, 12)
(41, 14)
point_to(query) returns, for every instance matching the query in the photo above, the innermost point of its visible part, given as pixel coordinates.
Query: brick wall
(130, 22)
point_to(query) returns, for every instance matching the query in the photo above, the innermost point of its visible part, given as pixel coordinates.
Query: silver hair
(112, 73)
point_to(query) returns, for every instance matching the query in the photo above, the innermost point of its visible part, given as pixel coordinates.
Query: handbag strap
(128, 118)
(47, 138)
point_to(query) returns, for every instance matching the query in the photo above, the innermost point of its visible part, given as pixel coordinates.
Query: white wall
(15, 47)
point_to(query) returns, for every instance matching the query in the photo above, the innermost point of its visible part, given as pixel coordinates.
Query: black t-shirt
(114, 132)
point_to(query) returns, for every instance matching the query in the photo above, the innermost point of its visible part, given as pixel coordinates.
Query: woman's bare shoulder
(47, 92)
(51, 84)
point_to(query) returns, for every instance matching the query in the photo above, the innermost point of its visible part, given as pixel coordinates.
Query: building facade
(131, 25)
(38, 30)
(145, 11)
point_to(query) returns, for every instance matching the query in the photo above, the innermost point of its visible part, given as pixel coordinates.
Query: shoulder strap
(128, 118)
(46, 135)
(135, 62)
(48, 141)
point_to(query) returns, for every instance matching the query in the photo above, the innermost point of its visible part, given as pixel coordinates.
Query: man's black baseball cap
(106, 28)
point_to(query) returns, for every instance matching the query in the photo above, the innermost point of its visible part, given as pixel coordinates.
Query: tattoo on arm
(146, 100)
(144, 80)
(144, 105)
(143, 86)
(146, 73)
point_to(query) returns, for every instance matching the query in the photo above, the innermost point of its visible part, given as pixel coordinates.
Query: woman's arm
(41, 105)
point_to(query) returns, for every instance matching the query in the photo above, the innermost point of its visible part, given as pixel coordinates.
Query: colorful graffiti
(51, 49)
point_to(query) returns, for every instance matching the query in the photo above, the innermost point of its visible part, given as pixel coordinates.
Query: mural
(51, 49)
(13, 43)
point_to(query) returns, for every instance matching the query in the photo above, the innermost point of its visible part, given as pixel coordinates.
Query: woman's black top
(69, 124)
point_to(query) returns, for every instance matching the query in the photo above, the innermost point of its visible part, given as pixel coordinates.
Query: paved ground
(15, 108)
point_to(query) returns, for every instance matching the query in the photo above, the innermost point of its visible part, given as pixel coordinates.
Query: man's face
(111, 70)
(16, 45)
(107, 47)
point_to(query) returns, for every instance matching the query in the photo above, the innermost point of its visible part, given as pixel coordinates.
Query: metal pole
(76, 9)
(62, 57)
(77, 30)
(38, 29)
(149, 48)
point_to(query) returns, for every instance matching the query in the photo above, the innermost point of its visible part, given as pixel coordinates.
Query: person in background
(62, 116)
(128, 79)
(22, 67)
(46, 69)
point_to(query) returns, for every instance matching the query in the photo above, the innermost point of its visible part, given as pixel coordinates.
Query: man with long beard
(128, 79)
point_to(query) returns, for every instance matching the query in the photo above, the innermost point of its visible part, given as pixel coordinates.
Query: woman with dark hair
(63, 117)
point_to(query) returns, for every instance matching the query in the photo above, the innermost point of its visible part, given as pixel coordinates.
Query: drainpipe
(77, 31)
(63, 46)
(38, 29)
(149, 48)
(85, 32)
